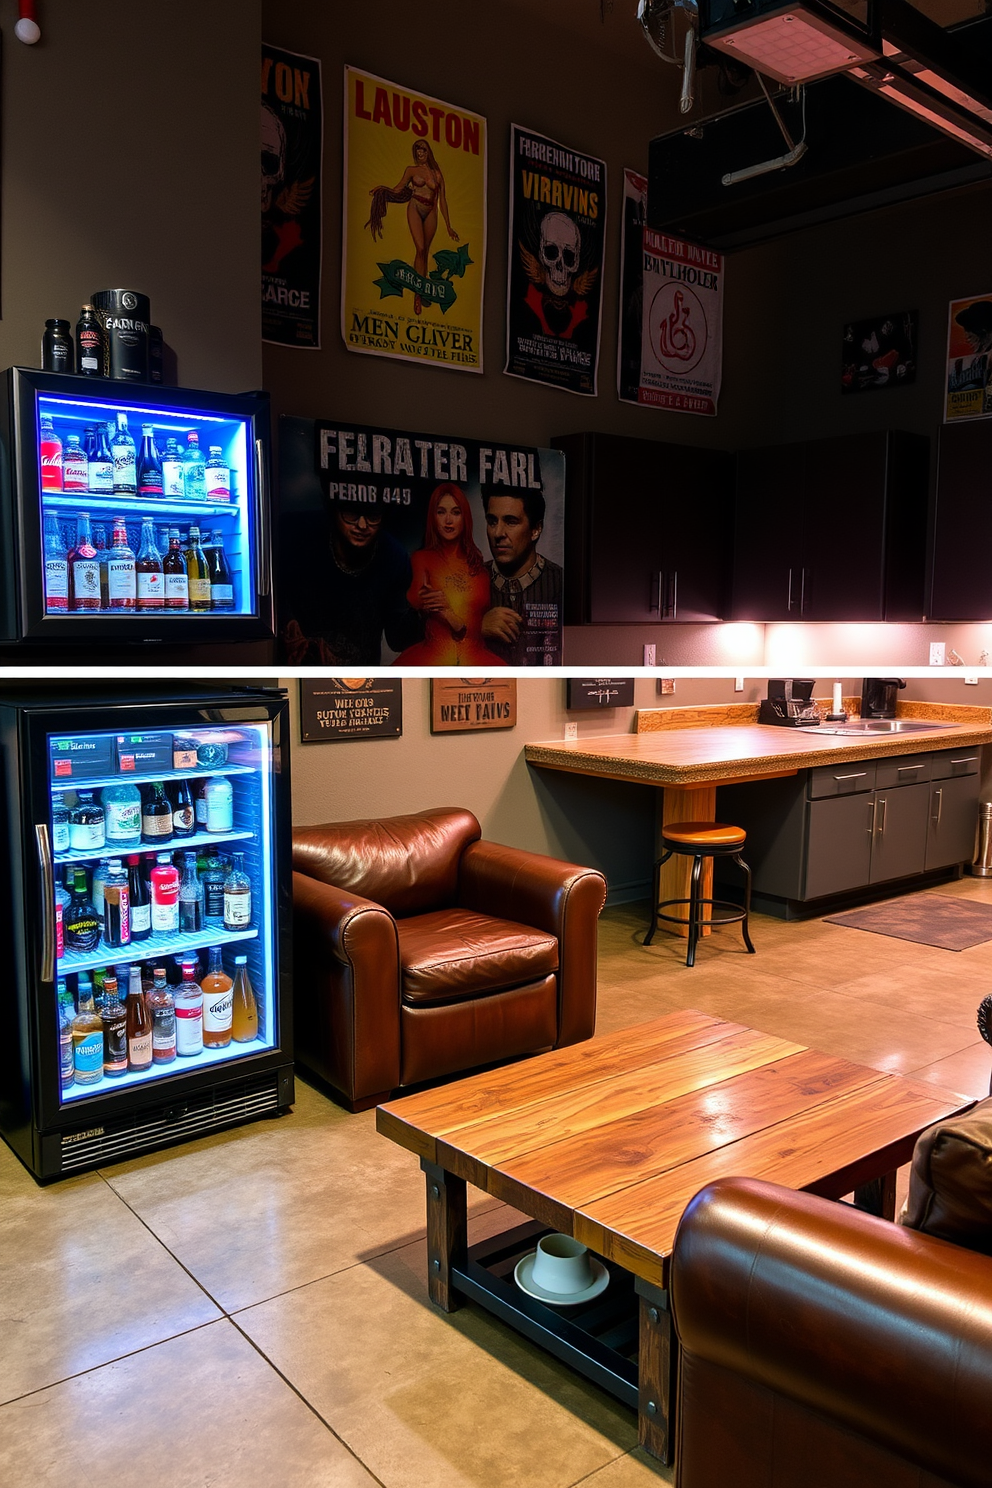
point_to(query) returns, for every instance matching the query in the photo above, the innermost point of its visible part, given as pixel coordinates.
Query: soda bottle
(50, 449)
(121, 571)
(217, 475)
(139, 1025)
(237, 895)
(161, 1005)
(116, 906)
(125, 462)
(174, 571)
(87, 824)
(244, 1027)
(90, 344)
(66, 1013)
(114, 1015)
(149, 466)
(56, 347)
(62, 901)
(217, 1003)
(87, 1036)
(56, 567)
(100, 464)
(75, 468)
(148, 566)
(197, 573)
(221, 580)
(84, 568)
(189, 1013)
(173, 486)
(164, 896)
(190, 897)
(194, 469)
(183, 815)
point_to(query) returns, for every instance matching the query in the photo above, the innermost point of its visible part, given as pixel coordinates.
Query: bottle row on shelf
(102, 1037)
(129, 814)
(104, 461)
(167, 573)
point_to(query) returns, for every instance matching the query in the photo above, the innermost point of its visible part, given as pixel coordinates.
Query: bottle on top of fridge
(217, 1003)
(156, 814)
(162, 1007)
(218, 475)
(237, 895)
(139, 1025)
(221, 580)
(90, 343)
(116, 905)
(60, 826)
(114, 1015)
(189, 1012)
(176, 580)
(121, 570)
(75, 467)
(139, 899)
(87, 824)
(194, 469)
(173, 487)
(84, 568)
(56, 347)
(56, 567)
(125, 460)
(165, 896)
(213, 876)
(190, 896)
(218, 796)
(100, 462)
(244, 1012)
(87, 1036)
(148, 566)
(150, 480)
(62, 901)
(122, 811)
(197, 573)
(66, 1013)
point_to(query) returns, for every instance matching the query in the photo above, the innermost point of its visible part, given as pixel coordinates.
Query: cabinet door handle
(880, 828)
(802, 590)
(47, 902)
(871, 818)
(939, 798)
(788, 604)
(858, 775)
(671, 595)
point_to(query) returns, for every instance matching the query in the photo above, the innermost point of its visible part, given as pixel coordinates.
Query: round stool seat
(704, 834)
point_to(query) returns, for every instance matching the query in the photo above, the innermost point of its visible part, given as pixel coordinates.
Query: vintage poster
(632, 221)
(555, 263)
(879, 353)
(292, 140)
(417, 549)
(413, 225)
(336, 708)
(469, 705)
(969, 359)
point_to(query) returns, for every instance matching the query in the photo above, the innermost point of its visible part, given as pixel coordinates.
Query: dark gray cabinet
(838, 844)
(961, 529)
(952, 819)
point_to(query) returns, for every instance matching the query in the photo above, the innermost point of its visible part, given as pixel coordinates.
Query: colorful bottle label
(151, 590)
(75, 472)
(60, 834)
(51, 464)
(218, 1011)
(87, 1058)
(218, 483)
(199, 591)
(172, 478)
(120, 579)
(164, 1034)
(86, 583)
(56, 584)
(59, 933)
(189, 1027)
(237, 910)
(86, 835)
(125, 470)
(222, 596)
(139, 1050)
(123, 821)
(100, 474)
(176, 591)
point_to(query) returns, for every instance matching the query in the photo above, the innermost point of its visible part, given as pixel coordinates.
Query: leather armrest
(883, 1330)
(562, 899)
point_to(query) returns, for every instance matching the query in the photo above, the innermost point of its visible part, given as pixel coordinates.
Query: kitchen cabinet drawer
(905, 769)
(841, 780)
(950, 762)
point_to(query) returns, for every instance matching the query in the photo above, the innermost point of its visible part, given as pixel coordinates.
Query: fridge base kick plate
(152, 1128)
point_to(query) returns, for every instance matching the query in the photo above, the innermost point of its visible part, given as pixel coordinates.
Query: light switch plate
(650, 652)
(738, 684)
(571, 731)
(937, 649)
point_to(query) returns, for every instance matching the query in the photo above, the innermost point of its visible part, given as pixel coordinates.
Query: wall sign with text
(468, 705)
(599, 692)
(336, 708)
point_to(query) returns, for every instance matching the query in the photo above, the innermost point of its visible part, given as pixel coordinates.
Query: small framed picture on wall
(337, 708)
(469, 705)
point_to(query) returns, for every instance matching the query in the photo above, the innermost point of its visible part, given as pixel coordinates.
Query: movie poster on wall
(969, 359)
(680, 287)
(417, 549)
(413, 225)
(292, 142)
(555, 263)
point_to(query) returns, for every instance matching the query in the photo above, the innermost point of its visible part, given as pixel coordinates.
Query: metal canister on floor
(982, 866)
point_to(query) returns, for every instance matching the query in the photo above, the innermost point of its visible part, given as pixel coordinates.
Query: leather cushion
(705, 834)
(950, 1183)
(438, 1040)
(449, 955)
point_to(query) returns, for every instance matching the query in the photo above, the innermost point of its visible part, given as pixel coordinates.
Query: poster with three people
(416, 549)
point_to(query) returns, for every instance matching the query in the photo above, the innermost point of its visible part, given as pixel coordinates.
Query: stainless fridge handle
(939, 794)
(263, 521)
(47, 902)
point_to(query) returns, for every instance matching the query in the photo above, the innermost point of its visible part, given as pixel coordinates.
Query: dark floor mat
(929, 919)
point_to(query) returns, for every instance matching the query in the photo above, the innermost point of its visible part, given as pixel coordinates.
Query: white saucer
(523, 1276)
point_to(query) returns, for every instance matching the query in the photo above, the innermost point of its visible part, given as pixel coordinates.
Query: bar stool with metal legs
(701, 840)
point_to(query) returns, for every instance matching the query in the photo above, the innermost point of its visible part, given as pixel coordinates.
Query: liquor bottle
(217, 475)
(60, 826)
(114, 1015)
(217, 1003)
(148, 567)
(174, 570)
(90, 344)
(81, 926)
(116, 905)
(173, 486)
(165, 896)
(66, 1013)
(56, 347)
(197, 573)
(56, 568)
(103, 558)
(139, 1025)
(100, 464)
(84, 568)
(189, 1013)
(200, 805)
(245, 1009)
(97, 880)
(122, 812)
(87, 1036)
(237, 895)
(75, 468)
(125, 461)
(139, 899)
(221, 580)
(149, 467)
(190, 897)
(87, 824)
(214, 874)
(183, 814)
(194, 469)
(50, 450)
(156, 815)
(218, 798)
(121, 571)
(161, 1005)
(62, 901)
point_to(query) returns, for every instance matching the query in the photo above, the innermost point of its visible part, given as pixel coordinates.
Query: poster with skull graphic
(555, 277)
(292, 140)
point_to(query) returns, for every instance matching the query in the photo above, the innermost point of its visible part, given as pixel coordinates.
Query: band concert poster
(680, 286)
(413, 225)
(969, 359)
(419, 550)
(292, 138)
(555, 264)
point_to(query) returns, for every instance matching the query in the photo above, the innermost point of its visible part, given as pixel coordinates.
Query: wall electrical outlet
(738, 684)
(571, 731)
(937, 653)
(649, 655)
(970, 680)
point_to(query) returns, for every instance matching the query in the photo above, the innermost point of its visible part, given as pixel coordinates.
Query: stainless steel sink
(859, 727)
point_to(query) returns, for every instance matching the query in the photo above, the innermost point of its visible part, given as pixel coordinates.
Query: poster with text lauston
(413, 225)
(292, 138)
(555, 266)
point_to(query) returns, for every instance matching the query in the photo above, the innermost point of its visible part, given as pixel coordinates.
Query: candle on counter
(838, 706)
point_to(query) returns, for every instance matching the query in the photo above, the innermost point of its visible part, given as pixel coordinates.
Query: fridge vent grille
(151, 1130)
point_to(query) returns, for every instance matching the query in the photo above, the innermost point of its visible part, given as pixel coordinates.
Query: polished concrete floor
(250, 1310)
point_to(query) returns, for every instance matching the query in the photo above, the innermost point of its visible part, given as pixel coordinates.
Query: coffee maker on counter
(788, 703)
(878, 696)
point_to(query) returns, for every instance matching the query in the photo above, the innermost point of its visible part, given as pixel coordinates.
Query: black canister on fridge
(56, 347)
(124, 315)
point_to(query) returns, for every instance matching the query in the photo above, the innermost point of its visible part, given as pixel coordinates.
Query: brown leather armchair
(420, 950)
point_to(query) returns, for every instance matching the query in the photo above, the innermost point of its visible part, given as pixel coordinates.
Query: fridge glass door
(162, 843)
(84, 497)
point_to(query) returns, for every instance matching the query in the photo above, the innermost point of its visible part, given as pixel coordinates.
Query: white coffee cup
(562, 1265)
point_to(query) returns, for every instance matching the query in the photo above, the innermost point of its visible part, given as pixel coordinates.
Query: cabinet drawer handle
(972, 758)
(939, 794)
(858, 775)
(902, 769)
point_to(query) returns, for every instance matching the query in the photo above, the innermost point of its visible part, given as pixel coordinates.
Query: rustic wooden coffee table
(609, 1140)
